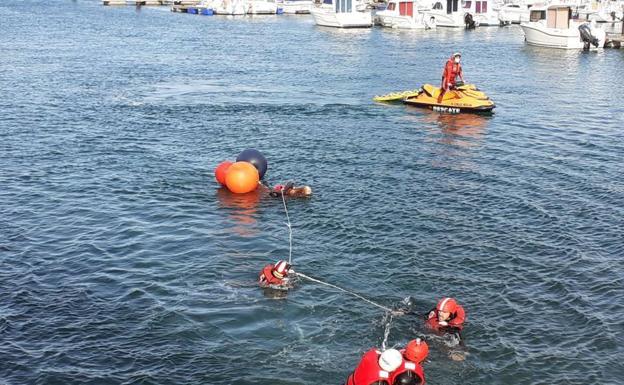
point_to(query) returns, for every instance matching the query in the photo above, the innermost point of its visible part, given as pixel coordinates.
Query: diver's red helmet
(416, 350)
(281, 269)
(447, 305)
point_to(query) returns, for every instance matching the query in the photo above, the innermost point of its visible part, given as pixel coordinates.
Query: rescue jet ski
(465, 98)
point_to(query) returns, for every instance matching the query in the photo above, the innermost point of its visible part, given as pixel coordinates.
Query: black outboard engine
(587, 36)
(469, 21)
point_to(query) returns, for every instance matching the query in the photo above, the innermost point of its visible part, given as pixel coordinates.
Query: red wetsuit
(409, 373)
(267, 277)
(456, 321)
(368, 371)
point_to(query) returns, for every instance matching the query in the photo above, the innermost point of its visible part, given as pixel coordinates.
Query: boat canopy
(558, 16)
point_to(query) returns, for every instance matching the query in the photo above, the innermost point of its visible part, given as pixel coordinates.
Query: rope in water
(289, 228)
(289, 225)
(386, 333)
(346, 291)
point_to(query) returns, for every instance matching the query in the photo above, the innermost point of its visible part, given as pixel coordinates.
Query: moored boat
(405, 14)
(446, 13)
(261, 7)
(481, 11)
(296, 6)
(515, 13)
(554, 26)
(342, 14)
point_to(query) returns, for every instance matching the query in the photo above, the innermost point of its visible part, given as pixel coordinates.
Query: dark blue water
(122, 263)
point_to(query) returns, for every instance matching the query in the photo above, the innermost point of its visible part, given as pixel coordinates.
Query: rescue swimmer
(289, 189)
(276, 276)
(391, 367)
(447, 316)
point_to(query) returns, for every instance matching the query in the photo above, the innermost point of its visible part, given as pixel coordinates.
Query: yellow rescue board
(469, 89)
(396, 96)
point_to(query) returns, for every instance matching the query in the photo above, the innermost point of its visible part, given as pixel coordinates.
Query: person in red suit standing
(452, 70)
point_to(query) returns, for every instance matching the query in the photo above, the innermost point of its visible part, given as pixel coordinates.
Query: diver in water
(276, 276)
(447, 316)
(289, 189)
(452, 70)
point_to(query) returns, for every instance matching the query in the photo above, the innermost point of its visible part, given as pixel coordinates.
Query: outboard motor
(587, 37)
(469, 21)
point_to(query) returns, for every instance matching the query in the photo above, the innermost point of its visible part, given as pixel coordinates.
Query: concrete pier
(149, 2)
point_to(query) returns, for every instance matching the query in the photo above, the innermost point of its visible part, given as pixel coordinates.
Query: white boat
(482, 12)
(514, 13)
(554, 27)
(229, 7)
(446, 13)
(342, 14)
(296, 6)
(261, 7)
(405, 14)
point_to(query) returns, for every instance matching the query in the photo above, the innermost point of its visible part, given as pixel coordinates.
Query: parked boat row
(546, 25)
(554, 25)
(427, 14)
(226, 7)
(256, 7)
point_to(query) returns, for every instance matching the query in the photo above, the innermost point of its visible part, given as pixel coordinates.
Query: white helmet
(390, 360)
(280, 270)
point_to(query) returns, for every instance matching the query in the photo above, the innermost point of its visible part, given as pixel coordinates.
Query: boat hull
(537, 35)
(461, 100)
(442, 19)
(418, 21)
(255, 7)
(296, 6)
(326, 17)
(485, 110)
(513, 15)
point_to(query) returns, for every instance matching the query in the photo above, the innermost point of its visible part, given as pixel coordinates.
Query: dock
(187, 3)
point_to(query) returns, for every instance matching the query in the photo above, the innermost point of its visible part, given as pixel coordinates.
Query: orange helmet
(447, 305)
(280, 270)
(416, 350)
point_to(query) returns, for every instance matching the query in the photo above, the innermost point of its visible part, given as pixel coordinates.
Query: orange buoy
(242, 177)
(221, 171)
